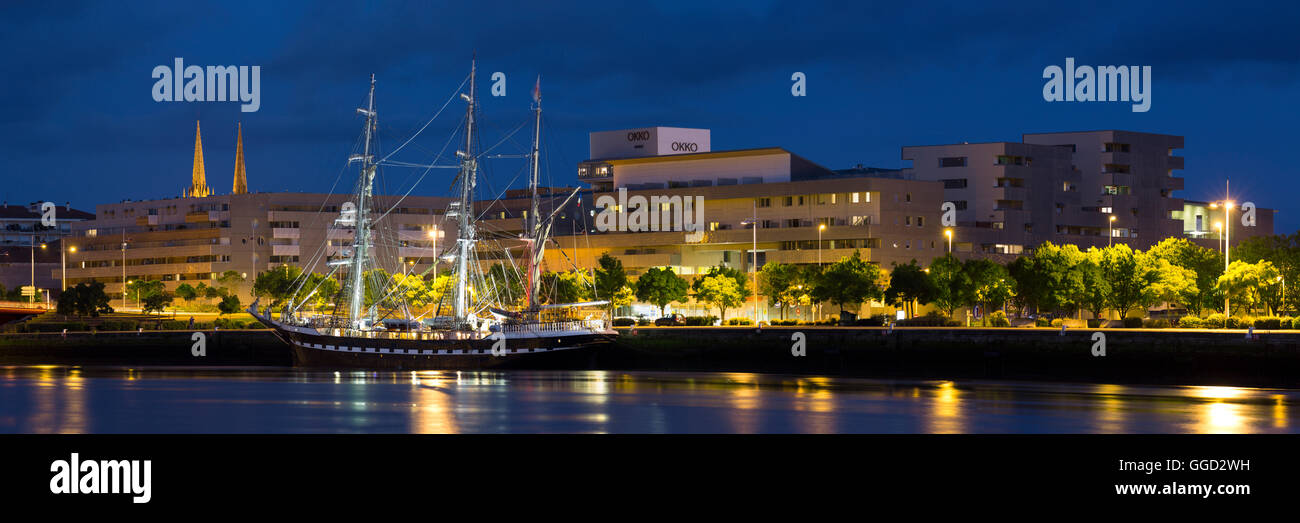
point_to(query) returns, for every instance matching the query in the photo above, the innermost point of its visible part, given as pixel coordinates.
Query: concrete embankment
(1131, 355)
(234, 347)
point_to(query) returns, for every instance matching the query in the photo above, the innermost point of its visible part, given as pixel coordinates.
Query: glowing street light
(1111, 237)
(820, 228)
(948, 233)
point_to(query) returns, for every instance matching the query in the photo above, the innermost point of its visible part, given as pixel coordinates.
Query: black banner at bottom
(642, 474)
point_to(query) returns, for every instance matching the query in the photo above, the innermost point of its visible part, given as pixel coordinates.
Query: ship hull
(562, 350)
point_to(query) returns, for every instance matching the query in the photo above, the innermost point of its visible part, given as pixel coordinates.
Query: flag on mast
(537, 90)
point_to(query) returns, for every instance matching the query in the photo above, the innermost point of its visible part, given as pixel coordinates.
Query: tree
(414, 289)
(661, 286)
(623, 297)
(156, 301)
(229, 304)
(1095, 292)
(990, 284)
(1047, 279)
(186, 292)
(1206, 264)
(229, 280)
(848, 281)
(952, 286)
(207, 292)
(909, 285)
(278, 284)
(741, 279)
(720, 291)
(566, 286)
(150, 294)
(1247, 284)
(1129, 277)
(783, 284)
(85, 299)
(610, 279)
(1171, 282)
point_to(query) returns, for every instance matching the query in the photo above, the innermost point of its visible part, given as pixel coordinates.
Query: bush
(1058, 322)
(1094, 323)
(785, 322)
(700, 321)
(1191, 322)
(1042, 322)
(174, 325)
(997, 319)
(1286, 322)
(1155, 323)
(740, 321)
(118, 325)
(1240, 322)
(624, 322)
(1268, 322)
(1295, 323)
(1215, 321)
(1132, 323)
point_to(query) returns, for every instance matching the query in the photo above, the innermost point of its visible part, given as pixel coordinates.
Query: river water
(51, 399)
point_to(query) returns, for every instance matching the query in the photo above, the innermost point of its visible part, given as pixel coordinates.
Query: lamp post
(1111, 235)
(1227, 245)
(753, 266)
(63, 260)
(124, 282)
(820, 228)
(948, 234)
(33, 296)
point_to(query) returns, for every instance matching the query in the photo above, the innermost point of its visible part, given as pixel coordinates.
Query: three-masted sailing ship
(370, 326)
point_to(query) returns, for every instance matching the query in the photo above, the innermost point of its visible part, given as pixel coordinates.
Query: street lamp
(1227, 239)
(753, 266)
(820, 228)
(948, 233)
(63, 260)
(1111, 236)
(33, 296)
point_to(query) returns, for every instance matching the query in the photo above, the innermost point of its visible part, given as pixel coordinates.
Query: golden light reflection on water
(60, 402)
(946, 415)
(433, 410)
(1111, 416)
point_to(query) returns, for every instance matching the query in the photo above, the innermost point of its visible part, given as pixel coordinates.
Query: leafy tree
(229, 280)
(610, 279)
(783, 284)
(1095, 291)
(414, 289)
(1171, 282)
(848, 281)
(278, 284)
(186, 292)
(566, 287)
(1247, 284)
(1130, 278)
(229, 304)
(623, 297)
(1206, 264)
(990, 284)
(156, 301)
(1046, 278)
(952, 286)
(909, 285)
(721, 291)
(85, 299)
(742, 280)
(661, 286)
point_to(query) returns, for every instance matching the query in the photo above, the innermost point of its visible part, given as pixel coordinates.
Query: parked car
(671, 320)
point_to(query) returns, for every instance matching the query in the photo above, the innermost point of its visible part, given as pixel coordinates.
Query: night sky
(79, 123)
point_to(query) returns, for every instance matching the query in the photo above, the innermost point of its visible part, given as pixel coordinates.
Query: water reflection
(49, 399)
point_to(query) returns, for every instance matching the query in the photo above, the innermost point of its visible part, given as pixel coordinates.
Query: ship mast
(534, 234)
(468, 174)
(361, 243)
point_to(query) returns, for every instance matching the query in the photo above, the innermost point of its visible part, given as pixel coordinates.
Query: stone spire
(198, 181)
(241, 179)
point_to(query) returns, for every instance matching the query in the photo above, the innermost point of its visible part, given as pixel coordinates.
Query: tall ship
(480, 319)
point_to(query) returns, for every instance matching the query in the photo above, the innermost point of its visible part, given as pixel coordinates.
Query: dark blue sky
(79, 123)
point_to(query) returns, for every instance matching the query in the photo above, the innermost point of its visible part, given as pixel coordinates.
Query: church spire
(241, 179)
(198, 181)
